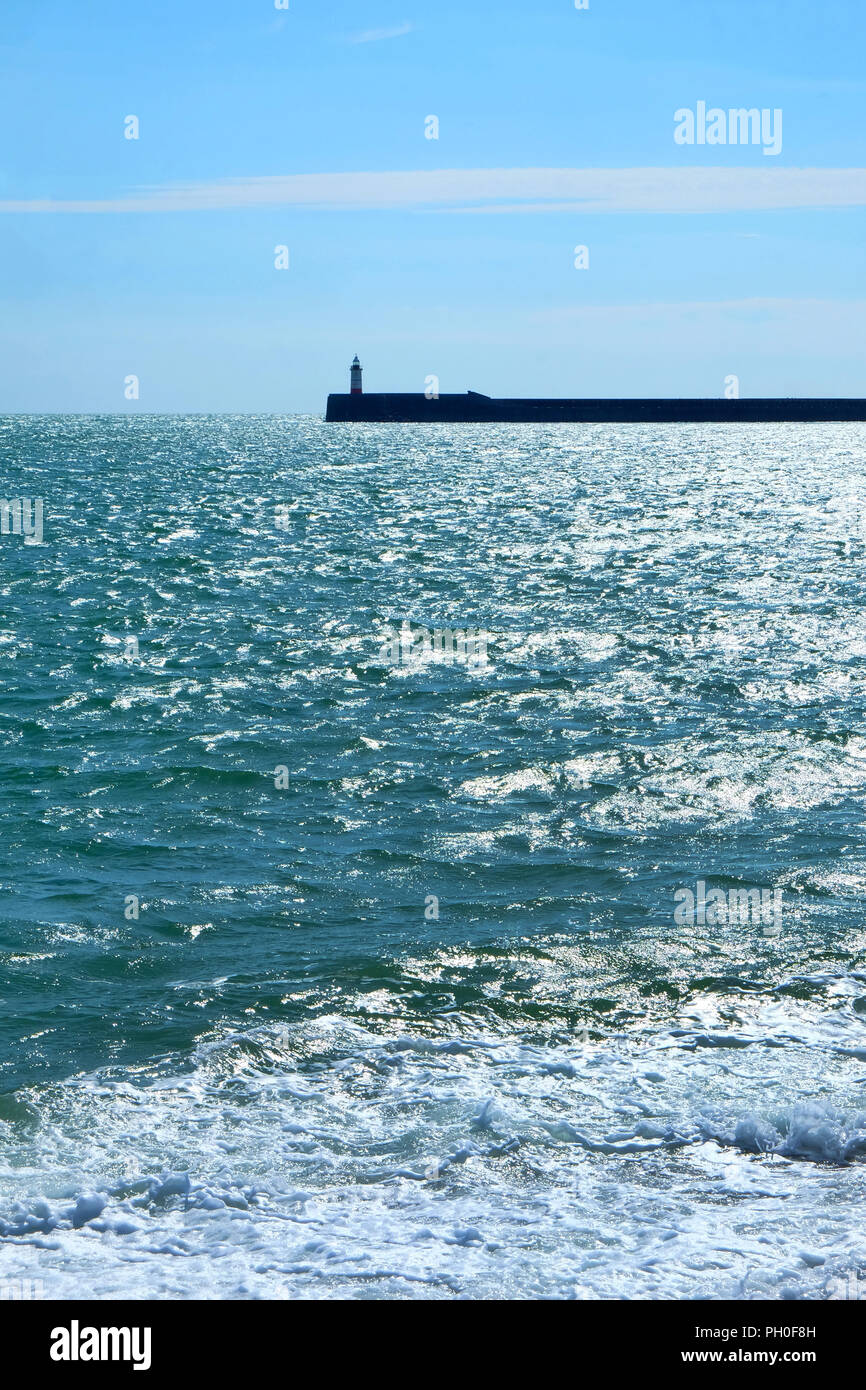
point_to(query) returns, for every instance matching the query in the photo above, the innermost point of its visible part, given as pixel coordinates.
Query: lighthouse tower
(357, 388)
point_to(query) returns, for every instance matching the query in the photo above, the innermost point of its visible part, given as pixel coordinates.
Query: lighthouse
(357, 388)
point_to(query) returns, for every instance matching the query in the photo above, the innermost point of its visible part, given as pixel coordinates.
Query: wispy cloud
(815, 330)
(758, 309)
(688, 189)
(375, 35)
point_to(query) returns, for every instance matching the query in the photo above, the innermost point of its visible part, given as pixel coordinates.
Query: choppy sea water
(240, 1053)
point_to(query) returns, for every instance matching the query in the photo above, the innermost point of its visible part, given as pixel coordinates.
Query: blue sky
(453, 257)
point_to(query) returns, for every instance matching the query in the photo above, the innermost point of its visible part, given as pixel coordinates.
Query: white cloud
(763, 310)
(764, 335)
(687, 189)
(375, 35)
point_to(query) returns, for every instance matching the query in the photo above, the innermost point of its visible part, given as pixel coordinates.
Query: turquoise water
(415, 1018)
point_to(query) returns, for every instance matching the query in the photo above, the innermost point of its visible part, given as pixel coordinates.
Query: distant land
(475, 409)
(358, 407)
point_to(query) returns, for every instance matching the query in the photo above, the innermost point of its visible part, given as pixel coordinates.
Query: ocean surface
(326, 974)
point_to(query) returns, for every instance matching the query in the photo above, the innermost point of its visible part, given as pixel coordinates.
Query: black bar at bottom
(59, 1340)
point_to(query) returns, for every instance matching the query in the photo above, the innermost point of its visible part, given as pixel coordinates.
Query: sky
(307, 128)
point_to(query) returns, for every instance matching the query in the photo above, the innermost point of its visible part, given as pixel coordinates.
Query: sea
(432, 860)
